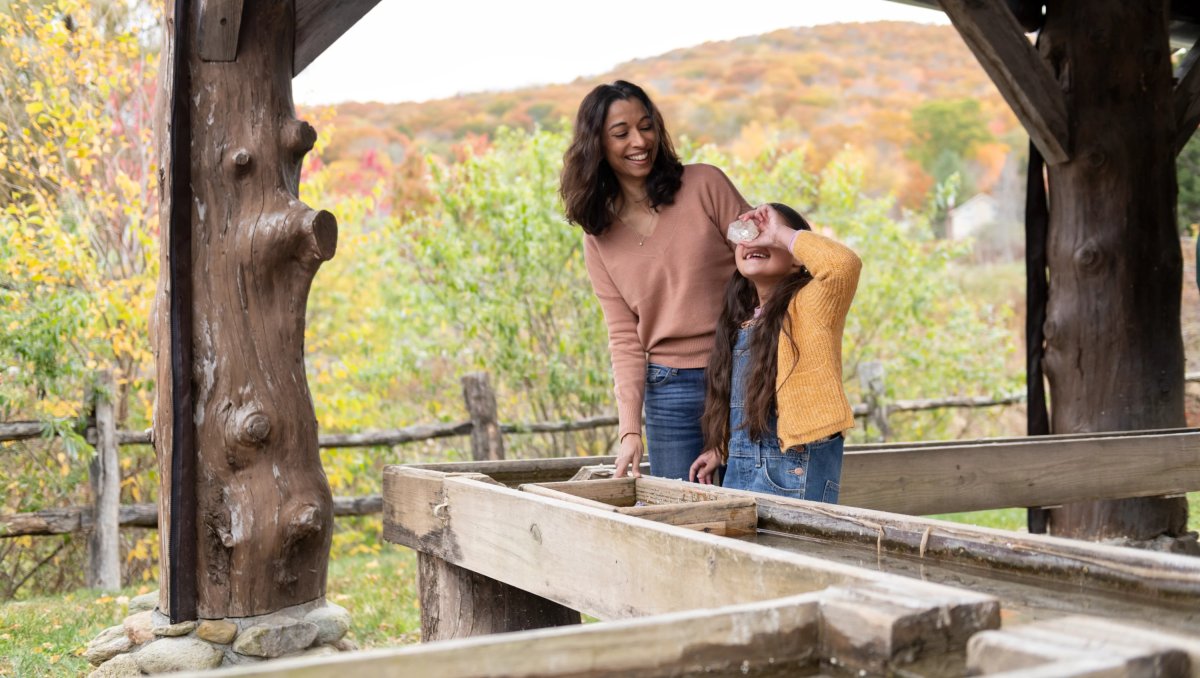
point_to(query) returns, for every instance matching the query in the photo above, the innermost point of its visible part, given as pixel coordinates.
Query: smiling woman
(658, 259)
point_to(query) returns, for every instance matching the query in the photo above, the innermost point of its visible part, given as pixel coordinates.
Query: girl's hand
(773, 229)
(629, 457)
(705, 467)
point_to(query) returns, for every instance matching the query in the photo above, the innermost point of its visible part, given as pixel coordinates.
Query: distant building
(969, 218)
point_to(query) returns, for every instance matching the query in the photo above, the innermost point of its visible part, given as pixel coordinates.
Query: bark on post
(263, 503)
(104, 543)
(459, 603)
(1114, 350)
(486, 441)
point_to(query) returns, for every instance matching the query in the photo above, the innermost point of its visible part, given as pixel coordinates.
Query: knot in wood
(240, 161)
(253, 428)
(299, 137)
(1089, 257)
(1096, 159)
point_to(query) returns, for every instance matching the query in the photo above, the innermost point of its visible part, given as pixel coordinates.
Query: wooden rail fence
(106, 515)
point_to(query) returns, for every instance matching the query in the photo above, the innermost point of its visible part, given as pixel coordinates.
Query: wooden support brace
(319, 23)
(1023, 78)
(1187, 98)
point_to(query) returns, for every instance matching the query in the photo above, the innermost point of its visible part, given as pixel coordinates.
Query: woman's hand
(773, 229)
(705, 467)
(629, 457)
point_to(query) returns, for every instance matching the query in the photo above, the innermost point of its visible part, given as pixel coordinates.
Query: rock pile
(147, 642)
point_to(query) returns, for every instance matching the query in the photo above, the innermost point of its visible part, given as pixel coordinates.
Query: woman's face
(630, 141)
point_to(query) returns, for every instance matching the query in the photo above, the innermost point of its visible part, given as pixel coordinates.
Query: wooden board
(319, 23)
(544, 547)
(928, 480)
(782, 634)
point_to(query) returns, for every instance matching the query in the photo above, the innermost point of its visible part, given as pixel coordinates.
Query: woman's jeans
(674, 402)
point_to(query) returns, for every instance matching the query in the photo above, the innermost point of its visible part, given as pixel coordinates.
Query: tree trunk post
(1114, 350)
(104, 542)
(871, 378)
(486, 440)
(459, 603)
(262, 502)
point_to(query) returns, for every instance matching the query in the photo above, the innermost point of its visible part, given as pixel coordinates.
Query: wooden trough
(698, 579)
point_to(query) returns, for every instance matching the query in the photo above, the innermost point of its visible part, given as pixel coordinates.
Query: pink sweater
(661, 299)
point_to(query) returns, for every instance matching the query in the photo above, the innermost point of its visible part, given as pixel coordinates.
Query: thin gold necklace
(653, 224)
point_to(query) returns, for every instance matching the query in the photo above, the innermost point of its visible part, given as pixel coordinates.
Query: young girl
(775, 407)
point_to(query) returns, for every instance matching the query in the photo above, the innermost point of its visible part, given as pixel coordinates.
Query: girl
(657, 258)
(775, 407)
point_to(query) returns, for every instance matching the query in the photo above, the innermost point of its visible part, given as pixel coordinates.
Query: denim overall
(812, 471)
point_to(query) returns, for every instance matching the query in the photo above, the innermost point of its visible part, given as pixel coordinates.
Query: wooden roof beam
(319, 23)
(1187, 98)
(1014, 65)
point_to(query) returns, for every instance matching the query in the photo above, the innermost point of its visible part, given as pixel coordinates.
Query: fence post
(104, 553)
(486, 441)
(870, 376)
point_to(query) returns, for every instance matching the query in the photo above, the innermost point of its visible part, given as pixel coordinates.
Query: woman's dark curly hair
(588, 187)
(740, 301)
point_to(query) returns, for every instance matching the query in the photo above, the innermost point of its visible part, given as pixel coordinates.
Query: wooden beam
(1067, 564)
(319, 23)
(541, 546)
(1033, 473)
(781, 635)
(1018, 71)
(1187, 98)
(220, 26)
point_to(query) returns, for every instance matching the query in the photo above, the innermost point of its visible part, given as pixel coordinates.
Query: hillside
(820, 88)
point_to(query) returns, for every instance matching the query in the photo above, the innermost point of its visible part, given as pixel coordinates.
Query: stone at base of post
(459, 603)
(147, 643)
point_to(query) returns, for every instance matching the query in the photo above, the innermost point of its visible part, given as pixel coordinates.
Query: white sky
(430, 49)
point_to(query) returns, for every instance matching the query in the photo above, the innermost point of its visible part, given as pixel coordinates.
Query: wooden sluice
(695, 579)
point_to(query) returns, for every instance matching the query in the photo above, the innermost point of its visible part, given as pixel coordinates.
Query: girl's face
(764, 266)
(630, 141)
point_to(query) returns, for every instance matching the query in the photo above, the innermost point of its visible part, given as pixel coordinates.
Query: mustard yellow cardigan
(809, 394)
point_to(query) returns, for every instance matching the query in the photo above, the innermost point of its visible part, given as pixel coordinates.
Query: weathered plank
(319, 23)
(1018, 71)
(728, 641)
(927, 480)
(1065, 562)
(729, 517)
(1058, 643)
(541, 546)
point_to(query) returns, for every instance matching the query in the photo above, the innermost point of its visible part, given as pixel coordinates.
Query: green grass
(46, 636)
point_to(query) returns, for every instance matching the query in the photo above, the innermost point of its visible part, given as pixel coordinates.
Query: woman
(658, 260)
(776, 408)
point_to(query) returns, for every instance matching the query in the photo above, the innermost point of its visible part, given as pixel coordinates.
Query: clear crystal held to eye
(742, 231)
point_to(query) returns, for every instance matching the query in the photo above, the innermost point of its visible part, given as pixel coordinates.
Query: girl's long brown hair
(588, 187)
(740, 300)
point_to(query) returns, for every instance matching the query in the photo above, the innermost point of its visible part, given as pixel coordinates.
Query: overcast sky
(414, 51)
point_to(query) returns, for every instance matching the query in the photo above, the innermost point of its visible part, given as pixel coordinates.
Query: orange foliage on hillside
(823, 88)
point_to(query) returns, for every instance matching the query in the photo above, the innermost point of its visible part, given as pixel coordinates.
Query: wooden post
(486, 441)
(263, 508)
(459, 603)
(871, 376)
(104, 553)
(1114, 349)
